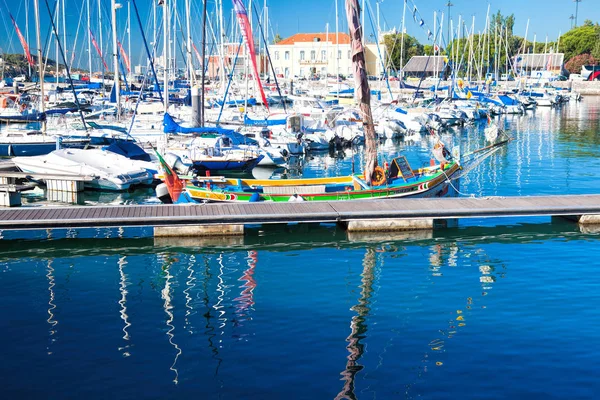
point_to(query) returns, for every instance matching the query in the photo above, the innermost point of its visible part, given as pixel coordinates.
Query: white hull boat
(109, 171)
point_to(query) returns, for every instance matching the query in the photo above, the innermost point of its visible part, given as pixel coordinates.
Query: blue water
(491, 309)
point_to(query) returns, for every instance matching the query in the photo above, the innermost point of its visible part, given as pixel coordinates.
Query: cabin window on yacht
(323, 55)
(313, 55)
(287, 55)
(277, 55)
(301, 55)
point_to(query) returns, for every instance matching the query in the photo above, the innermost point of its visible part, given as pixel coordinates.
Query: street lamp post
(576, 10)
(572, 17)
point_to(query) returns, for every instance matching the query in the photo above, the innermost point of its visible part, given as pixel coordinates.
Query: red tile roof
(344, 38)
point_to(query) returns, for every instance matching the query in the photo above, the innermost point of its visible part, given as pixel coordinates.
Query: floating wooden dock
(229, 219)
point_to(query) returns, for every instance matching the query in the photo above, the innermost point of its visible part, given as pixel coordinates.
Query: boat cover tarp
(129, 150)
(508, 101)
(251, 102)
(170, 126)
(262, 122)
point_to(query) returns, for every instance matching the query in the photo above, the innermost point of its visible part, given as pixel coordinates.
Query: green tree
(393, 44)
(596, 51)
(277, 38)
(580, 40)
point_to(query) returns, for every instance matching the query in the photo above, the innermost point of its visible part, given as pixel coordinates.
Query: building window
(349, 54)
(313, 55)
(339, 54)
(277, 55)
(287, 55)
(301, 55)
(323, 55)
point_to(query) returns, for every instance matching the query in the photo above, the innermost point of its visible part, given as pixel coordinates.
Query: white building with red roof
(310, 54)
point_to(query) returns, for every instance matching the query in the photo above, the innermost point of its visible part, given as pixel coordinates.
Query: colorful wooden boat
(399, 181)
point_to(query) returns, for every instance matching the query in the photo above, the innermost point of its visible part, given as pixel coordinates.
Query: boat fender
(295, 198)
(254, 198)
(378, 177)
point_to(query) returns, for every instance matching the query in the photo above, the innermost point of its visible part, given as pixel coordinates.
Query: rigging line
(143, 85)
(376, 34)
(76, 37)
(150, 55)
(269, 58)
(11, 32)
(62, 53)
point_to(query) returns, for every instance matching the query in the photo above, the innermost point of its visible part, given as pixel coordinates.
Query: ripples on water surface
(298, 312)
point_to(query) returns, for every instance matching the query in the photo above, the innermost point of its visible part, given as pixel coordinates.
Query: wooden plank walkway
(273, 213)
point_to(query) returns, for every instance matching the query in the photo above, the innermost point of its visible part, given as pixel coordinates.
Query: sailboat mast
(129, 31)
(56, 12)
(39, 48)
(116, 79)
(64, 23)
(337, 52)
(89, 35)
(27, 32)
(361, 84)
(100, 34)
(190, 66)
(173, 50)
(166, 53)
(203, 62)
(401, 41)
(154, 45)
(222, 43)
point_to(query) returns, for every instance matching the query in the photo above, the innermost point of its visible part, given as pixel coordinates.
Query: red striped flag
(197, 54)
(125, 58)
(242, 17)
(98, 50)
(23, 42)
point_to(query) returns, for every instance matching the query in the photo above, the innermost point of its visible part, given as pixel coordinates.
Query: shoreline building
(314, 54)
(425, 67)
(540, 65)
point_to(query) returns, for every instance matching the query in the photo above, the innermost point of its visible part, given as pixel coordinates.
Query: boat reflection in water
(215, 316)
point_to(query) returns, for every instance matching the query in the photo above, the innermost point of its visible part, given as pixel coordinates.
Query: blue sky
(547, 17)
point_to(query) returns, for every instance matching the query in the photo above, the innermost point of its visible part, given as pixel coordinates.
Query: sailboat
(394, 181)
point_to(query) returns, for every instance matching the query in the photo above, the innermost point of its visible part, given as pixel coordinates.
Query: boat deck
(295, 212)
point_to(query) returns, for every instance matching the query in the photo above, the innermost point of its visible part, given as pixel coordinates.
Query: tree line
(498, 47)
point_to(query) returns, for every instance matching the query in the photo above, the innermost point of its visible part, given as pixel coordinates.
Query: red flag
(125, 58)
(197, 54)
(242, 17)
(23, 42)
(98, 50)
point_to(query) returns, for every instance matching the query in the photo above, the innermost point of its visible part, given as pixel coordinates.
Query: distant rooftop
(425, 64)
(344, 38)
(541, 60)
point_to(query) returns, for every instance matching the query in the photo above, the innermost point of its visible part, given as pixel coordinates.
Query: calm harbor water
(489, 309)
